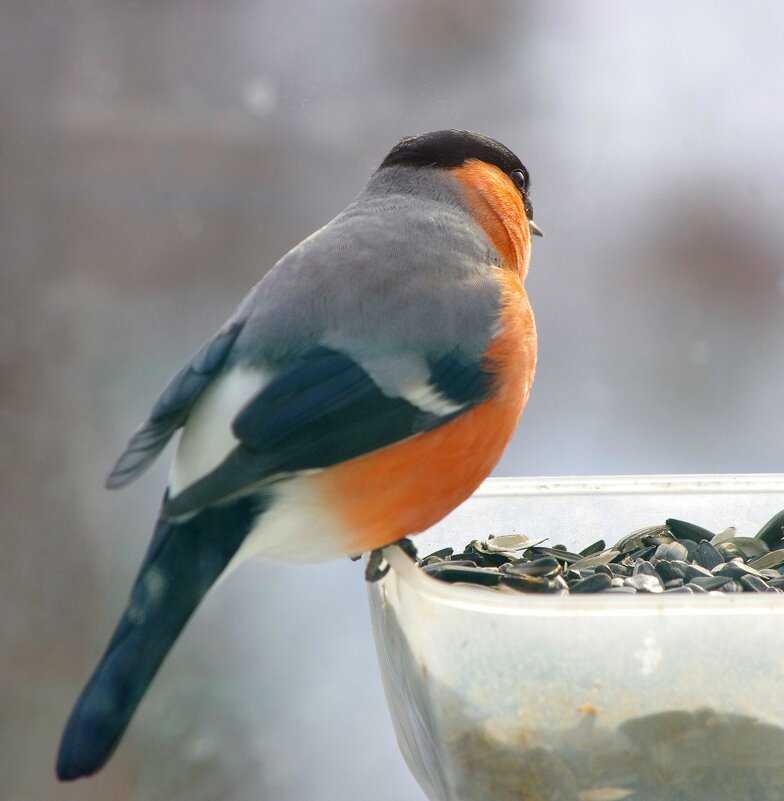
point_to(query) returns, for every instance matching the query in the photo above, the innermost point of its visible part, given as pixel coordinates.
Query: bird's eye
(520, 178)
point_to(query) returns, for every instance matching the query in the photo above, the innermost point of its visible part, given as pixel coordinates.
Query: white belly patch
(296, 528)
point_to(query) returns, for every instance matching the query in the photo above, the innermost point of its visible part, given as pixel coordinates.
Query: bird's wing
(370, 331)
(325, 407)
(172, 407)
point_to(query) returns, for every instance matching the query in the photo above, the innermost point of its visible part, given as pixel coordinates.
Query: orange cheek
(495, 203)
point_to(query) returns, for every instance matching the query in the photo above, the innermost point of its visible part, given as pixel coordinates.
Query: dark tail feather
(183, 561)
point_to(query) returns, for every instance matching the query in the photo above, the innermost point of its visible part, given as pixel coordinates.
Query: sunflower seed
(595, 560)
(773, 531)
(561, 556)
(750, 547)
(688, 531)
(729, 550)
(489, 556)
(669, 552)
(768, 560)
(723, 536)
(693, 571)
(545, 566)
(595, 583)
(445, 571)
(529, 583)
(442, 553)
(710, 582)
(643, 582)
(596, 547)
(634, 540)
(735, 568)
(707, 556)
(644, 568)
(644, 553)
(510, 542)
(768, 573)
(691, 549)
(753, 584)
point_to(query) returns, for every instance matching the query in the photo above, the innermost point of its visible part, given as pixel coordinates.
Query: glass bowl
(586, 697)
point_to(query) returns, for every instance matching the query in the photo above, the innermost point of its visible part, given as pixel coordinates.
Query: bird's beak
(535, 229)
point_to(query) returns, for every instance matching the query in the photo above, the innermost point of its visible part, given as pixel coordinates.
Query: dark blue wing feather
(171, 409)
(458, 377)
(321, 410)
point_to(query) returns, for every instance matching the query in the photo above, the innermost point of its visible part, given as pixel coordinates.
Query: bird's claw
(377, 567)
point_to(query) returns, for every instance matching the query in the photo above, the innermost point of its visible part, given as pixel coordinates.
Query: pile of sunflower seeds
(676, 755)
(677, 557)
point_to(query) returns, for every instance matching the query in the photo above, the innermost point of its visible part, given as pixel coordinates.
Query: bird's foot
(377, 567)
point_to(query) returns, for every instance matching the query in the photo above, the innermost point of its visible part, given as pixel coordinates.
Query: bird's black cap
(449, 149)
(452, 148)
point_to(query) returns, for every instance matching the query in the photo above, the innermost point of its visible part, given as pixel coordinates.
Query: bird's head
(490, 181)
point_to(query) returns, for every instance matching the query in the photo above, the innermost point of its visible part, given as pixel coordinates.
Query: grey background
(157, 157)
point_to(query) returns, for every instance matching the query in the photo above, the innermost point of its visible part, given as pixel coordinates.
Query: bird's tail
(183, 561)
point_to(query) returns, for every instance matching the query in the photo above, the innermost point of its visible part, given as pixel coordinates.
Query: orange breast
(408, 487)
(405, 488)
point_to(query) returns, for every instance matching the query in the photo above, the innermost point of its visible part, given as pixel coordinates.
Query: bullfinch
(362, 390)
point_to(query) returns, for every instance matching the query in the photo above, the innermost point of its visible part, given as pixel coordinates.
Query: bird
(363, 389)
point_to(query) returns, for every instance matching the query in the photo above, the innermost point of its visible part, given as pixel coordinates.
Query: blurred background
(157, 157)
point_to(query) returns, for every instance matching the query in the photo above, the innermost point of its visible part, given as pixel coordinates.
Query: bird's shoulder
(390, 269)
